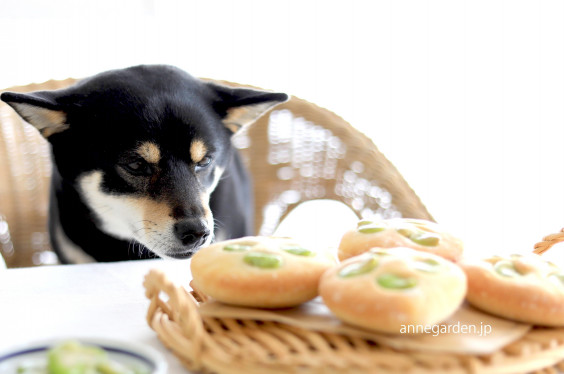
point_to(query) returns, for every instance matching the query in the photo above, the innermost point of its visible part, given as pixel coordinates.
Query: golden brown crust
(361, 301)
(226, 277)
(355, 242)
(530, 291)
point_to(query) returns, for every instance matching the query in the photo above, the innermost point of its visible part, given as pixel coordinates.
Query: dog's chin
(176, 253)
(179, 252)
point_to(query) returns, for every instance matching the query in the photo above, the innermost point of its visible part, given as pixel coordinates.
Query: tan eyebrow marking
(150, 152)
(198, 150)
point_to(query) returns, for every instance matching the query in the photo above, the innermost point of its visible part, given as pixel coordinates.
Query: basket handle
(548, 241)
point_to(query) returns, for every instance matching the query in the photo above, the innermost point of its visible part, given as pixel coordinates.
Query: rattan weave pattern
(230, 346)
(296, 153)
(548, 241)
(25, 173)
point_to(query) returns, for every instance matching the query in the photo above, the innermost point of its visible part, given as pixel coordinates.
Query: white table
(91, 300)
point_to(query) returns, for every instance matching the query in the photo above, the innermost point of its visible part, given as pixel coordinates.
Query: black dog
(143, 162)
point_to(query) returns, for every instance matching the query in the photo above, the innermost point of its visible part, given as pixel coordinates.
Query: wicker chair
(297, 152)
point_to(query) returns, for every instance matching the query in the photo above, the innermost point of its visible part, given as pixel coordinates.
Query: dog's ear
(39, 109)
(239, 107)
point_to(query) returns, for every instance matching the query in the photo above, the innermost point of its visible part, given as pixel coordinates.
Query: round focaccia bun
(387, 290)
(412, 233)
(523, 288)
(261, 272)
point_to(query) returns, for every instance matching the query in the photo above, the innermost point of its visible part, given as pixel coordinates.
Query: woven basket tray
(223, 345)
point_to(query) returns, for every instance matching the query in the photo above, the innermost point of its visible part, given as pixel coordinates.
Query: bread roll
(417, 234)
(523, 288)
(388, 289)
(263, 272)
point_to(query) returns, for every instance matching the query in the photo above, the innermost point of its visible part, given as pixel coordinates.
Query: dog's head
(145, 147)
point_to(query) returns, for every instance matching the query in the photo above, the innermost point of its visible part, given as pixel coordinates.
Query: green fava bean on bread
(263, 260)
(299, 251)
(557, 278)
(368, 227)
(421, 237)
(428, 265)
(237, 247)
(368, 263)
(396, 282)
(506, 269)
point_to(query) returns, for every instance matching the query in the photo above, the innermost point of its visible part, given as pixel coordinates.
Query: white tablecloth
(92, 300)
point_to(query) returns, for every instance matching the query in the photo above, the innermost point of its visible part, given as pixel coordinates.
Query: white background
(466, 98)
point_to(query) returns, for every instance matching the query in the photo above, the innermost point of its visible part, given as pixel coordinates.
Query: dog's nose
(191, 232)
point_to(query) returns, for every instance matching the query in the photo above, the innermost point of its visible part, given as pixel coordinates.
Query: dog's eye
(204, 162)
(138, 167)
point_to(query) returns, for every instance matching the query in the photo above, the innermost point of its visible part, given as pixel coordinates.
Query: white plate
(127, 353)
